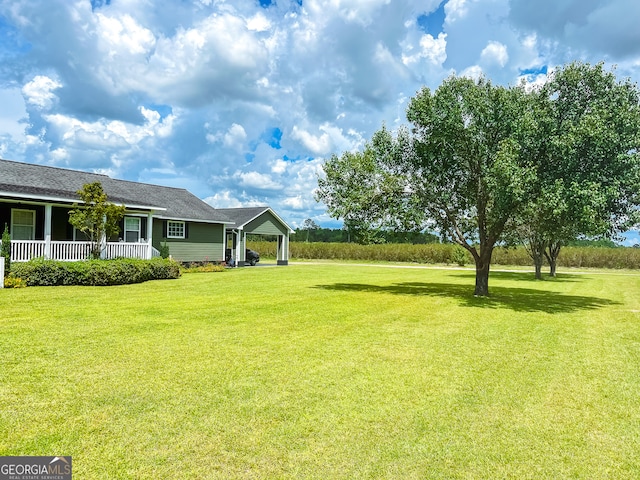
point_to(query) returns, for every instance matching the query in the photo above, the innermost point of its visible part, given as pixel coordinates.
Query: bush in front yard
(95, 272)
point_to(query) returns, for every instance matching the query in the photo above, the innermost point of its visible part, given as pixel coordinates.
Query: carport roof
(242, 216)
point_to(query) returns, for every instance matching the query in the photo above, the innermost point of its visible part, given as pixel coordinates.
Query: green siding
(205, 242)
(266, 224)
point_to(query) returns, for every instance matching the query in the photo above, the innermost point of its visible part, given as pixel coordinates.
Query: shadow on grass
(522, 277)
(517, 299)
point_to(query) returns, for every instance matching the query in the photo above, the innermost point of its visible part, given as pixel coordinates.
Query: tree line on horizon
(311, 232)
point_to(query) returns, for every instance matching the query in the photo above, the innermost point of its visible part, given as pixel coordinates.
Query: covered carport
(256, 221)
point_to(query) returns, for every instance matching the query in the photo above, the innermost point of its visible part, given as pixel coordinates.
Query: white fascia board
(39, 199)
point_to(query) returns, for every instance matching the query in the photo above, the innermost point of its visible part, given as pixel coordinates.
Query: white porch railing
(24, 250)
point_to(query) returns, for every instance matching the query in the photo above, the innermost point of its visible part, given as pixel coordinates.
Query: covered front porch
(25, 250)
(43, 231)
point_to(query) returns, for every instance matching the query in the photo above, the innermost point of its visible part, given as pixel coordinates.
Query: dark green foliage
(95, 272)
(5, 250)
(459, 256)
(346, 235)
(96, 217)
(486, 165)
(460, 170)
(587, 162)
(164, 250)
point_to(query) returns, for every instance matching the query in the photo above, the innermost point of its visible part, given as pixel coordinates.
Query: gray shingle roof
(242, 216)
(25, 180)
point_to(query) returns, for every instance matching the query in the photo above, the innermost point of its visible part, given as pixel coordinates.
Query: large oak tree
(461, 169)
(483, 163)
(587, 161)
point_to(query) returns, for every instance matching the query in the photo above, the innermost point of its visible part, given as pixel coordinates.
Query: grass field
(327, 371)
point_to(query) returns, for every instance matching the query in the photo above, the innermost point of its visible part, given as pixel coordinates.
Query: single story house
(35, 201)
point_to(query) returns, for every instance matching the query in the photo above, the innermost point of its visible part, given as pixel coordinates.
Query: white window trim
(138, 231)
(169, 222)
(33, 221)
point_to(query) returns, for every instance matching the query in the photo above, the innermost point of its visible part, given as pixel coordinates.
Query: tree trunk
(552, 252)
(552, 268)
(482, 281)
(483, 261)
(537, 262)
(535, 247)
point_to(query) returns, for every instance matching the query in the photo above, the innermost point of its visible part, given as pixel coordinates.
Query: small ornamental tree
(5, 250)
(96, 217)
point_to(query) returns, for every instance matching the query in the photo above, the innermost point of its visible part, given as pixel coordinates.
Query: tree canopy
(96, 217)
(483, 163)
(587, 160)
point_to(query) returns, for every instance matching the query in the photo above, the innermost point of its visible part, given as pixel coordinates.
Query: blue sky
(241, 101)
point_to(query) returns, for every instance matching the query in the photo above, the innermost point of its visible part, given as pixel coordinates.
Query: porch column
(239, 244)
(283, 249)
(149, 235)
(47, 231)
(103, 241)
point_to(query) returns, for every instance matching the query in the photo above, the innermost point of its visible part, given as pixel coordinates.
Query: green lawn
(327, 371)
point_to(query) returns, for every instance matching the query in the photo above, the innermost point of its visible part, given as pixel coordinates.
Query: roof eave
(51, 199)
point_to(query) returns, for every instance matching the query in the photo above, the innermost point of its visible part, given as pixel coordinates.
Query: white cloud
(296, 203)
(495, 53)
(432, 49)
(318, 144)
(123, 35)
(103, 134)
(331, 139)
(235, 136)
(456, 10)
(258, 23)
(474, 72)
(225, 199)
(257, 180)
(357, 11)
(39, 91)
(279, 166)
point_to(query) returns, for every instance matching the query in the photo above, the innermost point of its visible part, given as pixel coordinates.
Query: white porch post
(283, 249)
(239, 242)
(149, 235)
(103, 241)
(47, 231)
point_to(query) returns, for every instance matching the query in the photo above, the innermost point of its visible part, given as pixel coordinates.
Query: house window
(131, 229)
(175, 229)
(23, 224)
